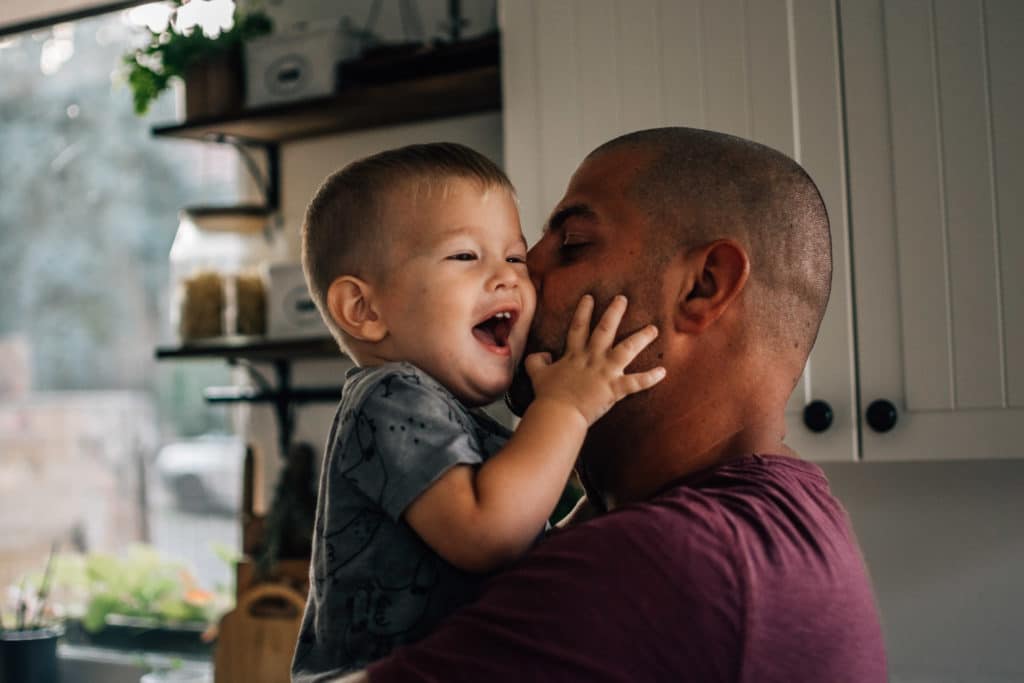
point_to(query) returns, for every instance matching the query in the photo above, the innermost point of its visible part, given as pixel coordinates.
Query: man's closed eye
(571, 245)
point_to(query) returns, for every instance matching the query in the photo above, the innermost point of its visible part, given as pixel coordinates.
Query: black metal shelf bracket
(270, 186)
(280, 394)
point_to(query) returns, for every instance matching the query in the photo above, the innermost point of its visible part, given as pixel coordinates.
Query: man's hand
(590, 376)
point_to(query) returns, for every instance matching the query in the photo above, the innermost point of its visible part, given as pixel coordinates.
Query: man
(710, 552)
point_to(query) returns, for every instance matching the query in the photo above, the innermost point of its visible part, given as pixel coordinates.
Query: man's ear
(351, 304)
(716, 274)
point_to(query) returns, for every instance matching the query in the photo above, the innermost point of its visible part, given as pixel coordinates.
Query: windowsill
(83, 664)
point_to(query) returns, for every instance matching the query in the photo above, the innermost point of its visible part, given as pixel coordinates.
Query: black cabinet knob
(881, 415)
(818, 416)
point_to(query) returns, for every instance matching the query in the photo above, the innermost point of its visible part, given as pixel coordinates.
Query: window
(89, 206)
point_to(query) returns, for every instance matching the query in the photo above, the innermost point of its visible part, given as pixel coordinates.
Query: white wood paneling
(1004, 26)
(600, 100)
(925, 91)
(818, 143)
(682, 63)
(872, 202)
(521, 104)
(771, 81)
(558, 76)
(637, 40)
(725, 66)
(968, 173)
(920, 210)
(766, 70)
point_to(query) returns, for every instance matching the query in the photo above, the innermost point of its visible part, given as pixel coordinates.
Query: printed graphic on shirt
(375, 583)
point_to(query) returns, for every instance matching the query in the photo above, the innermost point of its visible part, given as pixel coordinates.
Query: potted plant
(29, 632)
(208, 60)
(29, 652)
(136, 601)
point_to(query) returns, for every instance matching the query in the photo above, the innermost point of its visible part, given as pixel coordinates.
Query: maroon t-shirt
(746, 573)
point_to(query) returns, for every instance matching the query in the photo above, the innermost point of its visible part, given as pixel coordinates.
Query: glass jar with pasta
(219, 261)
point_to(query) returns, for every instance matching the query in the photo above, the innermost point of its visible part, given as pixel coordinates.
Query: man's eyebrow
(565, 213)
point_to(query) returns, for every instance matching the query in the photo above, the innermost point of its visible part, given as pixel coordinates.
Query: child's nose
(505, 275)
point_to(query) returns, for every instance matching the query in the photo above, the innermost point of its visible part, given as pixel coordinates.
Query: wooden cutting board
(257, 639)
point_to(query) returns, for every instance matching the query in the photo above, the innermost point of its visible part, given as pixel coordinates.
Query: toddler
(417, 263)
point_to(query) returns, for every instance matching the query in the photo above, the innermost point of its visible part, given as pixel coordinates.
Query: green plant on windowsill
(172, 53)
(136, 600)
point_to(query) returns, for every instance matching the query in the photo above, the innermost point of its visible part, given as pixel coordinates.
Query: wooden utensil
(257, 638)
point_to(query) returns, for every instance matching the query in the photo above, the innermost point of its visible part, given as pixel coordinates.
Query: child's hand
(590, 375)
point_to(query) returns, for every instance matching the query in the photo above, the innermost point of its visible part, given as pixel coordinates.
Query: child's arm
(480, 518)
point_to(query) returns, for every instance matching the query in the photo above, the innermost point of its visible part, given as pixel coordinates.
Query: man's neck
(629, 465)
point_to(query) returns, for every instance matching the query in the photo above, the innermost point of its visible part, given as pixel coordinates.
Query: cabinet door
(578, 73)
(934, 105)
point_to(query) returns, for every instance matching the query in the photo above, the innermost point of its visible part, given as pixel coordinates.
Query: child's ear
(351, 304)
(716, 274)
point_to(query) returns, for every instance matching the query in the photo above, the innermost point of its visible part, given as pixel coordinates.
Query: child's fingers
(628, 349)
(604, 334)
(638, 381)
(579, 328)
(536, 361)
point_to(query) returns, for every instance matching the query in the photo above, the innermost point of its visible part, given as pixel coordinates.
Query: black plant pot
(29, 656)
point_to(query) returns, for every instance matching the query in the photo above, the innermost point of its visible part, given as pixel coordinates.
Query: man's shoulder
(690, 541)
(759, 481)
(719, 519)
(760, 499)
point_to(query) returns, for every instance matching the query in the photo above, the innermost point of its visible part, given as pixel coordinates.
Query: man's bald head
(699, 186)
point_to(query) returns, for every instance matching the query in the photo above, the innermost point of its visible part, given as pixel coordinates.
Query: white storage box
(290, 308)
(293, 66)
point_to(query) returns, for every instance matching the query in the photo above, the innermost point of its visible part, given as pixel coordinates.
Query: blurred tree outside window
(89, 205)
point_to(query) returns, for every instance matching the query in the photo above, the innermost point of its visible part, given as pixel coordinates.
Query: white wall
(944, 544)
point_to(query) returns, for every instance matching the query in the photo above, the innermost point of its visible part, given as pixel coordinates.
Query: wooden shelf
(354, 108)
(255, 349)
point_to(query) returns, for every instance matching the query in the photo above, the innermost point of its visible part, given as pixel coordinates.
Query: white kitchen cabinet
(934, 106)
(908, 115)
(576, 73)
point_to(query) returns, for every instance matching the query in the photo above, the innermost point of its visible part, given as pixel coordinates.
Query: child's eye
(463, 256)
(516, 259)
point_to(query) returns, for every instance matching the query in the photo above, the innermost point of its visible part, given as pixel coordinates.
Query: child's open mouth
(495, 330)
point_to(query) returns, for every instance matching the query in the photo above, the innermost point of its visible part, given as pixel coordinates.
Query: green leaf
(170, 54)
(99, 607)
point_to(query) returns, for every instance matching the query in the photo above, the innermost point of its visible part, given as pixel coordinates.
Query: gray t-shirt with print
(374, 584)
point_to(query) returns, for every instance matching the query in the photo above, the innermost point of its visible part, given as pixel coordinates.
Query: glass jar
(218, 265)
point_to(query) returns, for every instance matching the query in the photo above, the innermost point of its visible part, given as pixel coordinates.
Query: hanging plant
(171, 52)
